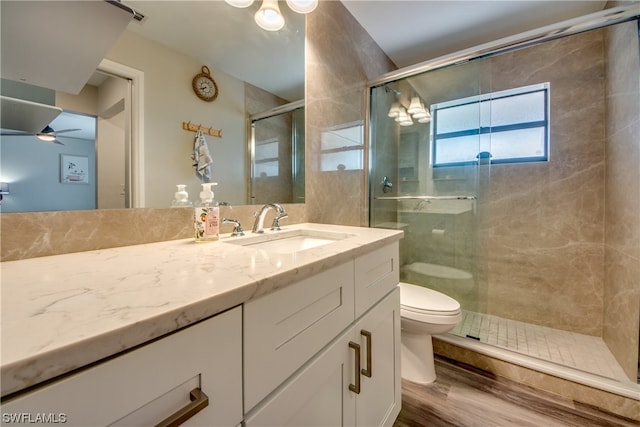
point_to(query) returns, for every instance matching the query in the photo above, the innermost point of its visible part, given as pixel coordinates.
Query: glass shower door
(417, 184)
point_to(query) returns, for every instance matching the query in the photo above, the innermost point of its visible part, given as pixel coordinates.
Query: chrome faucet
(237, 227)
(418, 207)
(280, 214)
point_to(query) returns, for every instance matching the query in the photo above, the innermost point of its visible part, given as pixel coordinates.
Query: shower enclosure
(276, 147)
(513, 171)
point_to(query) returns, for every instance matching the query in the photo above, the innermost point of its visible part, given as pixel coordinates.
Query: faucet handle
(237, 229)
(276, 220)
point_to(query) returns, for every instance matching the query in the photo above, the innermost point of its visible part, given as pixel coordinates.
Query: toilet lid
(423, 300)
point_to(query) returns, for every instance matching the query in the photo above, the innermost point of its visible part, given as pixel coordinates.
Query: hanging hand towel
(201, 158)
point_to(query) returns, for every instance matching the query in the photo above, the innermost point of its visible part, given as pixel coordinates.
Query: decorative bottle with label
(207, 215)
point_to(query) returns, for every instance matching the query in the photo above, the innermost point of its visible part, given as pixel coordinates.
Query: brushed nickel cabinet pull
(367, 371)
(356, 388)
(199, 401)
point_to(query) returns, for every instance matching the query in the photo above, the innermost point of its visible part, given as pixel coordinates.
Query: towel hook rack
(191, 127)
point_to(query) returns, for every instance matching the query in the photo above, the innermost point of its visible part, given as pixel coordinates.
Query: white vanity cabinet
(353, 382)
(344, 356)
(197, 370)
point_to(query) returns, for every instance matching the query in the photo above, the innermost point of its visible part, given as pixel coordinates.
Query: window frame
(541, 87)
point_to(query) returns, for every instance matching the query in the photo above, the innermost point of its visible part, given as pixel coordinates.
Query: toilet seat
(419, 300)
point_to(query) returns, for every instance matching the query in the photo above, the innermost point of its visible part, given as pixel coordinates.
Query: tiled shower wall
(544, 222)
(622, 208)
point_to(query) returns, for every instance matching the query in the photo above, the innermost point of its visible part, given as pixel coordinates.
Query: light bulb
(394, 111)
(415, 106)
(302, 6)
(239, 3)
(268, 17)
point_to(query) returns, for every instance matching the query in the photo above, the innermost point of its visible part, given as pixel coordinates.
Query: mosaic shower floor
(584, 352)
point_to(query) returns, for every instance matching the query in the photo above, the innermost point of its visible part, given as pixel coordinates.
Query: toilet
(423, 313)
(451, 281)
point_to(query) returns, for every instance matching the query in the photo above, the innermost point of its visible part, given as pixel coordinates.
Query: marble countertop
(63, 312)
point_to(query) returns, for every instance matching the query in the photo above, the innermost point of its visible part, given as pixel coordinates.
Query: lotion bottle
(207, 215)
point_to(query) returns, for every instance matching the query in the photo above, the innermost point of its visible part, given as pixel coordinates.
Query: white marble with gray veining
(63, 312)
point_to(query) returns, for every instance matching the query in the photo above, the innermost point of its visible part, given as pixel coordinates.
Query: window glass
(511, 125)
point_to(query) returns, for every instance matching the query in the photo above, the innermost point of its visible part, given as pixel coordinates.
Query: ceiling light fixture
(47, 134)
(268, 17)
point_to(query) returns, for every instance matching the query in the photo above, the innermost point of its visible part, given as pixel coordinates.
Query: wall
(41, 186)
(340, 58)
(622, 209)
(544, 221)
(168, 101)
(36, 234)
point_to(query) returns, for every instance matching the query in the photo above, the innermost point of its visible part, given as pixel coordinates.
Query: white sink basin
(289, 241)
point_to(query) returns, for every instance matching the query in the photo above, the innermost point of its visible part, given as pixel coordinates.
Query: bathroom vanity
(278, 329)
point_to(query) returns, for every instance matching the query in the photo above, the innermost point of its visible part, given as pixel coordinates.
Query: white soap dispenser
(181, 197)
(207, 215)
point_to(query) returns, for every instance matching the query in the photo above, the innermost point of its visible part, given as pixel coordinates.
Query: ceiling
(410, 32)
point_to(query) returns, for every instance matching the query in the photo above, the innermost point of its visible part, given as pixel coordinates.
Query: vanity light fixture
(268, 17)
(394, 111)
(415, 106)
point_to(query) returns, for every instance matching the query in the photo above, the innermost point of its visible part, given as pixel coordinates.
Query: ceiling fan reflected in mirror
(47, 134)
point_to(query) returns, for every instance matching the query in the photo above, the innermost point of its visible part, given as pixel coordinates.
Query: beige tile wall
(544, 221)
(35, 234)
(340, 58)
(622, 208)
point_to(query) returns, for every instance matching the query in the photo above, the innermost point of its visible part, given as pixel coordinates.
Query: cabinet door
(376, 274)
(286, 328)
(318, 395)
(378, 333)
(147, 385)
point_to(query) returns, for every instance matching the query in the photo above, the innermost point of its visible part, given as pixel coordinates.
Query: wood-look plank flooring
(464, 396)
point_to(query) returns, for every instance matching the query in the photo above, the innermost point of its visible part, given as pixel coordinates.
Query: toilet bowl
(423, 313)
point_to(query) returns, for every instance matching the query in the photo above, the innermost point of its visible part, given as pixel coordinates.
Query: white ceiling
(414, 31)
(409, 32)
(228, 39)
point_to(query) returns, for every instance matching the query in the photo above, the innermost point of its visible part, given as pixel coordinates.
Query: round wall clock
(204, 86)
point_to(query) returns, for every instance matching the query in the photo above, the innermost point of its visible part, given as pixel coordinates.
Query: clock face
(205, 87)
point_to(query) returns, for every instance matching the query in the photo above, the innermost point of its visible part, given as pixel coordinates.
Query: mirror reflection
(142, 96)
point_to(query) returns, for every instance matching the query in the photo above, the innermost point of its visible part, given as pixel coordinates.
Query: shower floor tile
(579, 351)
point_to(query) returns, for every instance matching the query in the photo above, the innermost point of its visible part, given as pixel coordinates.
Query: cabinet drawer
(284, 329)
(148, 384)
(376, 273)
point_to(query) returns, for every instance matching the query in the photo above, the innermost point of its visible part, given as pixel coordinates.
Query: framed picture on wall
(74, 169)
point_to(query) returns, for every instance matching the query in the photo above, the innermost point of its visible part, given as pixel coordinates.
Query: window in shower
(508, 126)
(342, 148)
(267, 161)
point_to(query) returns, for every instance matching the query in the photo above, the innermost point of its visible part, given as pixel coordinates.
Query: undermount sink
(289, 241)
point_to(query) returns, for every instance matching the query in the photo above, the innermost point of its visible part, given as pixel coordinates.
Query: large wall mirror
(134, 111)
